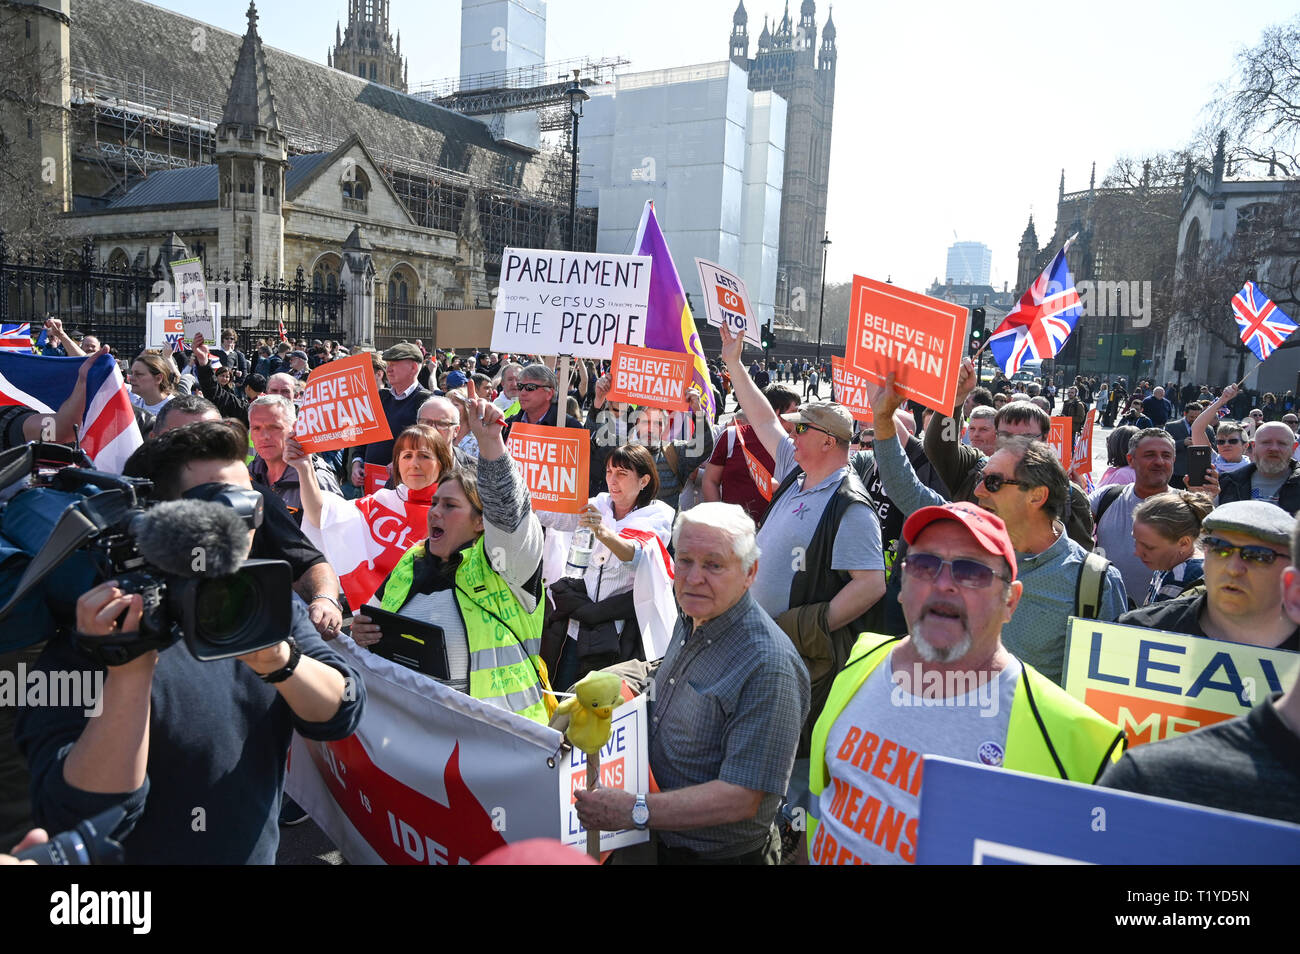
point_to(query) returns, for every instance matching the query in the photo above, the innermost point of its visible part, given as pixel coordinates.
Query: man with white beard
(949, 688)
(1272, 476)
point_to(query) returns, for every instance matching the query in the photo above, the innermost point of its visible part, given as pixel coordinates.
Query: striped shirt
(727, 703)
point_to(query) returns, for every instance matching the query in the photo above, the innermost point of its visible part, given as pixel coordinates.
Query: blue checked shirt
(728, 703)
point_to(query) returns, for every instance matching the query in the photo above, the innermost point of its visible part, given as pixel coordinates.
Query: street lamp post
(576, 96)
(821, 303)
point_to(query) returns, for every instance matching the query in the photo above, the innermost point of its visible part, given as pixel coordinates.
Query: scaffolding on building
(130, 129)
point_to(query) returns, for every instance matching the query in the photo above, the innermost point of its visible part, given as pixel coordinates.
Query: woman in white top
(625, 522)
(154, 380)
(1230, 437)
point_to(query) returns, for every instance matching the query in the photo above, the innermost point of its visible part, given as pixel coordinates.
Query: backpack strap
(1108, 497)
(1087, 588)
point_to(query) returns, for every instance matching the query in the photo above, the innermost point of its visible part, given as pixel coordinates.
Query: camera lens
(224, 608)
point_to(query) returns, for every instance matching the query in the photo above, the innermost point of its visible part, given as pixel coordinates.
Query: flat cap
(403, 351)
(1252, 518)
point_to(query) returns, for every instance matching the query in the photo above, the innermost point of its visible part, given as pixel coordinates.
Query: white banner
(165, 325)
(574, 303)
(726, 301)
(192, 296)
(624, 763)
(433, 776)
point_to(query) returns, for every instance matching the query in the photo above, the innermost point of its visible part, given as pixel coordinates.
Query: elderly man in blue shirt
(726, 707)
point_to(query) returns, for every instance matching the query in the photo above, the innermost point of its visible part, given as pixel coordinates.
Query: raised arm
(1210, 416)
(759, 413)
(313, 501)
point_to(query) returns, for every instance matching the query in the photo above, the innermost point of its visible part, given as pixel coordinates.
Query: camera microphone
(192, 538)
(90, 843)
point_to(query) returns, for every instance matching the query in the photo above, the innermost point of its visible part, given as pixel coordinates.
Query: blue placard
(974, 814)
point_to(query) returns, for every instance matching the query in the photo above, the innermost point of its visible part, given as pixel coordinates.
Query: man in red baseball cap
(948, 688)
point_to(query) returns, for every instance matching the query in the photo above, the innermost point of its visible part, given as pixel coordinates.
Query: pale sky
(949, 116)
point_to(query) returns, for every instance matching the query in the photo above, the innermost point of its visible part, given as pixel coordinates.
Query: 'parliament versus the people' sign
(573, 303)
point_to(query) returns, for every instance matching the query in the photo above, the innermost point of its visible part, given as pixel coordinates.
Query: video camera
(184, 557)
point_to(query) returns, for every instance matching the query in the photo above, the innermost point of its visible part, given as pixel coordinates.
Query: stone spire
(249, 103)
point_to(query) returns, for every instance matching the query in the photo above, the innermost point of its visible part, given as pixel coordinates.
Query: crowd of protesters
(801, 567)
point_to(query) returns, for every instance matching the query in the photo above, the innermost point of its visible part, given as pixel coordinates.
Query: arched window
(402, 290)
(1192, 248)
(356, 188)
(372, 70)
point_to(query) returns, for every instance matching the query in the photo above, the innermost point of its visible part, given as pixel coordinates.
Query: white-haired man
(270, 420)
(727, 705)
(448, 420)
(281, 385)
(509, 385)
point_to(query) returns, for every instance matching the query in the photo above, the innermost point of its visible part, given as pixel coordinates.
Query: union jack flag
(1264, 326)
(1037, 328)
(283, 337)
(16, 337)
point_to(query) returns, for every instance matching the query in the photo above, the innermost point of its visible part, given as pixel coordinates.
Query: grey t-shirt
(1115, 537)
(1267, 488)
(874, 750)
(788, 530)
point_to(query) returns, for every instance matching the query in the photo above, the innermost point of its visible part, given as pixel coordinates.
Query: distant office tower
(969, 263)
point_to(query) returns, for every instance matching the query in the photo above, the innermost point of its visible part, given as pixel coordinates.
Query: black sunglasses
(1230, 440)
(1251, 554)
(530, 387)
(994, 482)
(970, 574)
(804, 425)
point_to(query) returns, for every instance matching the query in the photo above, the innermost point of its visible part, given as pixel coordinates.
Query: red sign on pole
(1059, 438)
(340, 407)
(916, 337)
(757, 472)
(850, 389)
(554, 462)
(1083, 446)
(650, 378)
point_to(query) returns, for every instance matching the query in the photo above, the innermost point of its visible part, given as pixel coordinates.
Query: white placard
(164, 321)
(574, 303)
(726, 301)
(624, 763)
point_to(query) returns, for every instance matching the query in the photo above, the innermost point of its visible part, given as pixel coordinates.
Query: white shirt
(408, 392)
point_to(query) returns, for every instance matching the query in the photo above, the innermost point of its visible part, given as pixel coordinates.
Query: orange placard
(1059, 438)
(917, 337)
(340, 407)
(757, 472)
(650, 378)
(554, 462)
(1083, 446)
(850, 389)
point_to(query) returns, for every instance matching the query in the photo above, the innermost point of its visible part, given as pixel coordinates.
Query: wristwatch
(283, 673)
(640, 813)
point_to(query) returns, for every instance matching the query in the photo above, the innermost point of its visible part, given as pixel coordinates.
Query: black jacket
(1236, 486)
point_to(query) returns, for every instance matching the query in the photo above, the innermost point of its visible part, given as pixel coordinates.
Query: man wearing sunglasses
(538, 386)
(1247, 764)
(950, 687)
(1245, 544)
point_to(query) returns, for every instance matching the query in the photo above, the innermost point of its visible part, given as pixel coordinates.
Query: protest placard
(165, 325)
(916, 337)
(1059, 438)
(757, 472)
(192, 297)
(624, 763)
(1083, 446)
(340, 407)
(554, 462)
(650, 378)
(850, 389)
(977, 814)
(726, 301)
(1154, 685)
(573, 303)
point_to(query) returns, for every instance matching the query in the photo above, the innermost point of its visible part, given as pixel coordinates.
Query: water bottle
(575, 566)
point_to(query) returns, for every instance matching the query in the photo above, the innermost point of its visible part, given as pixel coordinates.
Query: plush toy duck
(589, 709)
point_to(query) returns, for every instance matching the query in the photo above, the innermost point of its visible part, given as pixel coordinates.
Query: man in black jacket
(1271, 476)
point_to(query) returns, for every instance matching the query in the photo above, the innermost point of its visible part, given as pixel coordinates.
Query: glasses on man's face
(1231, 440)
(1222, 549)
(803, 426)
(970, 574)
(995, 482)
(444, 425)
(530, 387)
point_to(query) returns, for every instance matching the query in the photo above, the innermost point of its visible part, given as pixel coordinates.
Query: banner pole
(562, 395)
(593, 780)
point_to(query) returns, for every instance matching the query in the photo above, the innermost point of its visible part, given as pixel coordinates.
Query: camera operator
(181, 744)
(278, 538)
